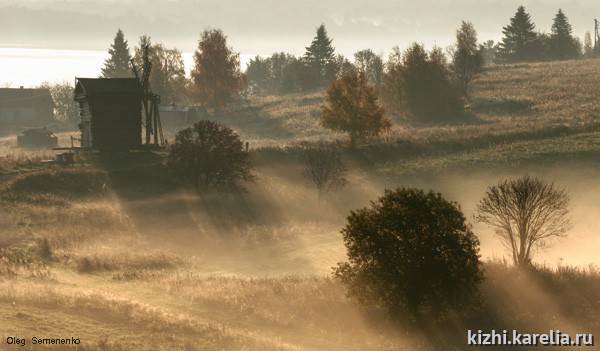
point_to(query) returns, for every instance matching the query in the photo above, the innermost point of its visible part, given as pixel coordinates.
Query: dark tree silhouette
(66, 109)
(519, 42)
(562, 44)
(298, 77)
(370, 64)
(411, 254)
(427, 90)
(278, 74)
(488, 50)
(352, 107)
(216, 74)
(392, 89)
(467, 58)
(526, 213)
(258, 75)
(320, 57)
(167, 77)
(324, 168)
(117, 65)
(588, 47)
(212, 157)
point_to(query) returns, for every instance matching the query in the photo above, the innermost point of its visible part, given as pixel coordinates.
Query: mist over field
(165, 246)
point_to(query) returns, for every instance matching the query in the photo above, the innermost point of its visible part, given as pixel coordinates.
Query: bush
(212, 157)
(324, 168)
(411, 255)
(418, 87)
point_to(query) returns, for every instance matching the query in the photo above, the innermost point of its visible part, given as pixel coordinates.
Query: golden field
(116, 253)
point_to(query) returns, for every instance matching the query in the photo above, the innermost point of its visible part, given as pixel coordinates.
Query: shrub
(324, 168)
(212, 157)
(411, 255)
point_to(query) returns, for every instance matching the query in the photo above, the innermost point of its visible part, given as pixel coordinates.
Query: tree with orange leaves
(352, 107)
(217, 77)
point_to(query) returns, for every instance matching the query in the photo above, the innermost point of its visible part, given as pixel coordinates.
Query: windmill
(150, 102)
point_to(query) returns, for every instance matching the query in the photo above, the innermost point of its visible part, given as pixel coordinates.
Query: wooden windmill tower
(150, 102)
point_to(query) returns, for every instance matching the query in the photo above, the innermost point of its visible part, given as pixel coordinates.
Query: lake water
(30, 67)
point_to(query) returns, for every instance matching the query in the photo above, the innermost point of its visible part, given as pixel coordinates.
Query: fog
(264, 27)
(121, 253)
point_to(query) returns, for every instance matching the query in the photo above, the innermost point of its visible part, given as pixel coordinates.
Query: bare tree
(324, 168)
(525, 214)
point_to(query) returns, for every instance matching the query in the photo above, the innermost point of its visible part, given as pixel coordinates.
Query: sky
(267, 26)
(57, 40)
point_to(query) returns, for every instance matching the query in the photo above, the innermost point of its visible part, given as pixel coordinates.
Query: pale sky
(267, 26)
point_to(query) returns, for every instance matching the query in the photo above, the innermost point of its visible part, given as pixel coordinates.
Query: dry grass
(14, 160)
(116, 253)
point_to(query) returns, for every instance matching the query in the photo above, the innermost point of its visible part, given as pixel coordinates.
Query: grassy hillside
(115, 252)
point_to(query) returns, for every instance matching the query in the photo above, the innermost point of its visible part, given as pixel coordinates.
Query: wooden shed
(111, 112)
(37, 138)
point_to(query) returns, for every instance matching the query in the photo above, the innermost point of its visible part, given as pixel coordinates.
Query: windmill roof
(108, 85)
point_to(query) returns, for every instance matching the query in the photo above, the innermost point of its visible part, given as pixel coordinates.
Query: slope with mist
(115, 252)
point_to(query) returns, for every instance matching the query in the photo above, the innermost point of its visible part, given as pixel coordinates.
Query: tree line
(217, 80)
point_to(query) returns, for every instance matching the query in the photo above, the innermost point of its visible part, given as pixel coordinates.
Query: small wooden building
(41, 138)
(111, 112)
(26, 107)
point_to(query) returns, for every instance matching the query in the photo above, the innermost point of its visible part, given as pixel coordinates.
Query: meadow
(115, 252)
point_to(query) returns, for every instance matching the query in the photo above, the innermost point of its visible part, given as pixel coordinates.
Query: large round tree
(411, 254)
(211, 156)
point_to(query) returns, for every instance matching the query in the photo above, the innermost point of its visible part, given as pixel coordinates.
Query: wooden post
(155, 120)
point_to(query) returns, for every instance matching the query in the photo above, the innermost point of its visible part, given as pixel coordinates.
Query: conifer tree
(519, 41)
(467, 58)
(117, 65)
(562, 44)
(320, 57)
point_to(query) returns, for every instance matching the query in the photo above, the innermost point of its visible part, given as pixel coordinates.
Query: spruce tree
(562, 44)
(320, 57)
(519, 41)
(117, 65)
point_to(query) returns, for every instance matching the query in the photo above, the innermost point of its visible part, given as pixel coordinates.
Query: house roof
(11, 97)
(108, 85)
